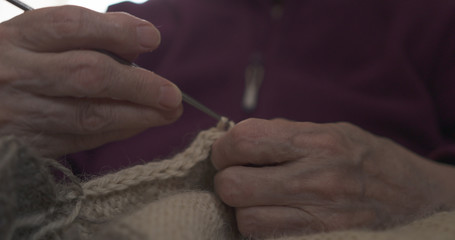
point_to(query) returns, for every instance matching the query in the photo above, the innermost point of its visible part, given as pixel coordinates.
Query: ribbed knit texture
(170, 199)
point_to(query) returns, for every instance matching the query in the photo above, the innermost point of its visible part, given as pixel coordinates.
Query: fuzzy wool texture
(170, 199)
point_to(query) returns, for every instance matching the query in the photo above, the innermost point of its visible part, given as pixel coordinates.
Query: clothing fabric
(387, 66)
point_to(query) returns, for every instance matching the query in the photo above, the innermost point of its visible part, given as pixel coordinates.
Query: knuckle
(67, 21)
(328, 138)
(142, 82)
(331, 184)
(329, 142)
(249, 224)
(227, 186)
(332, 181)
(294, 187)
(89, 117)
(245, 135)
(150, 117)
(89, 74)
(168, 117)
(8, 72)
(319, 142)
(250, 123)
(345, 125)
(243, 146)
(7, 76)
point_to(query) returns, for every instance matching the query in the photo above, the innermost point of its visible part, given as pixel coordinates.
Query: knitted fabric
(170, 199)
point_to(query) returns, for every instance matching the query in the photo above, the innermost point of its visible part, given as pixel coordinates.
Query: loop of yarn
(68, 199)
(176, 167)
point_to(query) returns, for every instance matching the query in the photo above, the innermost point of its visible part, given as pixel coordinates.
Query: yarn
(170, 199)
(29, 196)
(90, 203)
(176, 167)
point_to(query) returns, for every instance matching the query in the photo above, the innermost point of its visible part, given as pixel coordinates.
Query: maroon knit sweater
(387, 66)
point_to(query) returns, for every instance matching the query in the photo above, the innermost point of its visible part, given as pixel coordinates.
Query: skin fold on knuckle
(217, 154)
(9, 56)
(152, 118)
(171, 116)
(257, 223)
(7, 76)
(89, 74)
(323, 143)
(245, 138)
(11, 31)
(36, 30)
(66, 22)
(333, 185)
(232, 146)
(144, 84)
(250, 224)
(228, 187)
(329, 183)
(92, 117)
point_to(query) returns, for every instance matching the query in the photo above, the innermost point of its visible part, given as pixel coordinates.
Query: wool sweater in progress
(387, 66)
(168, 199)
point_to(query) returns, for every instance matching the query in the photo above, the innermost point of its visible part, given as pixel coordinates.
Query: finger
(276, 221)
(293, 183)
(70, 27)
(240, 186)
(97, 116)
(94, 75)
(88, 116)
(257, 142)
(273, 221)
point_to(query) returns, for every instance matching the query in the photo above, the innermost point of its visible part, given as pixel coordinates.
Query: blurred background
(8, 11)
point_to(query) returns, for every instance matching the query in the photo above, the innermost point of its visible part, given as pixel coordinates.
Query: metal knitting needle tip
(191, 101)
(20, 5)
(185, 97)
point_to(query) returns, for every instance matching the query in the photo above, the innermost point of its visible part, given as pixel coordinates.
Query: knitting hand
(288, 177)
(59, 96)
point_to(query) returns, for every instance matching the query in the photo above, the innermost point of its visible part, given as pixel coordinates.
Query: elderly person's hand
(291, 177)
(59, 96)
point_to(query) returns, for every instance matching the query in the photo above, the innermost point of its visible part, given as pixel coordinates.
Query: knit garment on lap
(170, 199)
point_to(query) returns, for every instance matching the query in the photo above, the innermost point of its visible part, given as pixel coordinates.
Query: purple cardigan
(387, 66)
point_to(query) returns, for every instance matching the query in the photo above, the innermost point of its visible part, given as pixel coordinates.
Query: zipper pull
(277, 10)
(254, 76)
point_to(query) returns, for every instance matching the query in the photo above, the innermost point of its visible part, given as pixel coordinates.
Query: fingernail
(148, 37)
(170, 96)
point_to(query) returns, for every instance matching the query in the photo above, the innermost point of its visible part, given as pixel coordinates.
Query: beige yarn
(170, 199)
(120, 193)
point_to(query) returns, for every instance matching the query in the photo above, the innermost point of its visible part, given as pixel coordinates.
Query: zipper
(254, 76)
(277, 10)
(255, 70)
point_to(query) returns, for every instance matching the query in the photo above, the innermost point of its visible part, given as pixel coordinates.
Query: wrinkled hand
(59, 96)
(286, 177)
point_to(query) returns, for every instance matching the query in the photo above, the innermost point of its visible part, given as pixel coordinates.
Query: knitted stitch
(170, 199)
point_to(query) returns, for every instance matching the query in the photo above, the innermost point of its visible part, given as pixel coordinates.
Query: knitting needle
(185, 97)
(20, 5)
